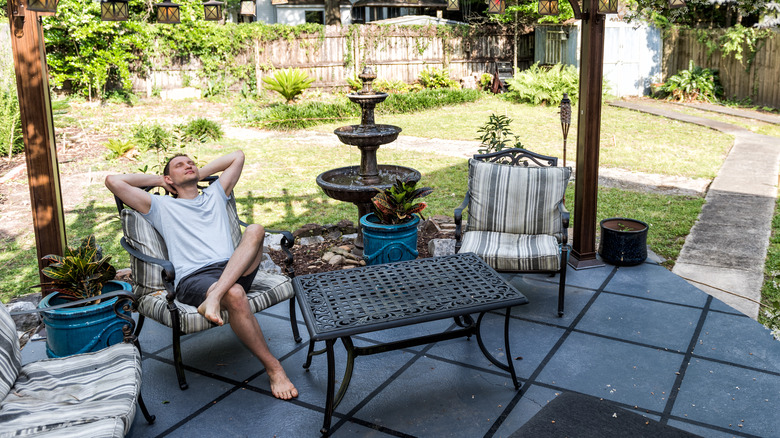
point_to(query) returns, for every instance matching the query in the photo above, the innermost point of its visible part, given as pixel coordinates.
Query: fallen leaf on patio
(521, 358)
(165, 402)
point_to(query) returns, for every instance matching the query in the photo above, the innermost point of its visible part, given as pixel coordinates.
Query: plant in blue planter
(80, 274)
(390, 234)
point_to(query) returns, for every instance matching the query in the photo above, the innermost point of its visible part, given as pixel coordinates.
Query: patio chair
(517, 221)
(153, 278)
(83, 395)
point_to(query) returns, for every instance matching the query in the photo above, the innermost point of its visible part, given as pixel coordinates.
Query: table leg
(509, 366)
(325, 431)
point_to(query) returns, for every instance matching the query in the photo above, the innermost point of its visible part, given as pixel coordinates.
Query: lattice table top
(360, 300)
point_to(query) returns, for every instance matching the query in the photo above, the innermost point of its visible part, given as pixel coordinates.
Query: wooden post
(583, 254)
(32, 85)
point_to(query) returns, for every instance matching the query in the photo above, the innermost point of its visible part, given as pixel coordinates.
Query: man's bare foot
(211, 311)
(281, 386)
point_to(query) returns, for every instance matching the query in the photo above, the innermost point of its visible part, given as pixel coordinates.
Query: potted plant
(82, 273)
(623, 241)
(390, 233)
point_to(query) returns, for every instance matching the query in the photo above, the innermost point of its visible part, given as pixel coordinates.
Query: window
(315, 17)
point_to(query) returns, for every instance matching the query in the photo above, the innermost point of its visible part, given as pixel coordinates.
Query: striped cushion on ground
(10, 354)
(108, 428)
(516, 199)
(141, 235)
(56, 393)
(514, 252)
(269, 288)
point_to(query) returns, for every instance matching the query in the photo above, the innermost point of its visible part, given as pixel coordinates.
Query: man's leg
(244, 260)
(244, 324)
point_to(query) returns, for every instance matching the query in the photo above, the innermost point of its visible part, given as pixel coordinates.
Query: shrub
(11, 140)
(541, 86)
(200, 130)
(437, 78)
(696, 83)
(289, 82)
(495, 135)
(153, 137)
(118, 148)
(354, 83)
(485, 80)
(391, 86)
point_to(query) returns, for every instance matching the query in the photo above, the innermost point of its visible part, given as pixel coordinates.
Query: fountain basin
(344, 184)
(372, 135)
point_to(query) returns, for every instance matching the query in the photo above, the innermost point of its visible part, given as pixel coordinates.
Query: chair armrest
(564, 221)
(126, 301)
(458, 216)
(168, 272)
(288, 240)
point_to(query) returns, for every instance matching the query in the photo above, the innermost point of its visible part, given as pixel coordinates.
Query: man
(210, 273)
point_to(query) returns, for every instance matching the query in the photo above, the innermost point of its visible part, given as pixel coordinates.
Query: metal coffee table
(341, 304)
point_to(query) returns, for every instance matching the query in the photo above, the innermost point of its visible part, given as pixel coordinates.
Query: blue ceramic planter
(388, 243)
(82, 329)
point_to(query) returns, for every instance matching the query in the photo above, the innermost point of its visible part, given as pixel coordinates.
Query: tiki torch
(565, 122)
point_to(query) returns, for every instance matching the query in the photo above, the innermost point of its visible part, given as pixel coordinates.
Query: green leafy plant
(200, 130)
(484, 81)
(397, 204)
(80, 273)
(118, 148)
(354, 83)
(437, 78)
(391, 86)
(495, 135)
(696, 83)
(153, 137)
(541, 86)
(289, 82)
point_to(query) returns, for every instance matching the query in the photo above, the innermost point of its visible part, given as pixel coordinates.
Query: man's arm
(230, 165)
(128, 189)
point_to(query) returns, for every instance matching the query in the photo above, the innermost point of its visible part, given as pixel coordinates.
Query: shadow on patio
(639, 336)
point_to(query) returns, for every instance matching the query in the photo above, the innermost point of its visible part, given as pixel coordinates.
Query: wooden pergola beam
(32, 86)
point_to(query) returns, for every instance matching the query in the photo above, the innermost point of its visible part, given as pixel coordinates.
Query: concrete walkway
(725, 251)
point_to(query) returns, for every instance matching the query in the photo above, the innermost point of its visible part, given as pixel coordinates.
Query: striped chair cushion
(516, 199)
(514, 252)
(141, 235)
(71, 391)
(10, 354)
(269, 288)
(108, 428)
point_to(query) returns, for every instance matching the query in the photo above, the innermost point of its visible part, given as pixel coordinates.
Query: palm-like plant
(80, 273)
(397, 204)
(289, 82)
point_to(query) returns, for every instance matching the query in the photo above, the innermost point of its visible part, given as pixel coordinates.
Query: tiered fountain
(358, 184)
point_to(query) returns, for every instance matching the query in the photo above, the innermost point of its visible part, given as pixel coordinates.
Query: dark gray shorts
(192, 288)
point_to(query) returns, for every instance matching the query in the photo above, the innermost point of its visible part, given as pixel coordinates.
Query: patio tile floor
(639, 336)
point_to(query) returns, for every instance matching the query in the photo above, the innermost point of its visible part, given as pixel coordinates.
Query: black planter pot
(623, 241)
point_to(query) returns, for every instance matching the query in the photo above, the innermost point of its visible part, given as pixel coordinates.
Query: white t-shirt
(196, 231)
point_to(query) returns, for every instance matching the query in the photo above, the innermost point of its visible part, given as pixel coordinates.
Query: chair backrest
(10, 353)
(141, 235)
(518, 197)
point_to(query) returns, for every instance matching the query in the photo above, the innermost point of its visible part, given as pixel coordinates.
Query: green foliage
(354, 83)
(437, 78)
(693, 84)
(200, 130)
(80, 273)
(118, 148)
(485, 80)
(397, 204)
(425, 99)
(153, 137)
(10, 123)
(289, 82)
(541, 86)
(495, 135)
(528, 13)
(393, 86)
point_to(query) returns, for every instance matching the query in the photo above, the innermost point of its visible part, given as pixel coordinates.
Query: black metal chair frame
(169, 275)
(523, 157)
(126, 302)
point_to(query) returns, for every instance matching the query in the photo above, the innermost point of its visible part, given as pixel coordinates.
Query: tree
(332, 13)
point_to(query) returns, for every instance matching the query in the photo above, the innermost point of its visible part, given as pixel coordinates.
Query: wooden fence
(394, 52)
(761, 83)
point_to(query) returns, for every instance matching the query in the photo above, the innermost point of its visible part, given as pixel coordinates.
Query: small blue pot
(82, 329)
(388, 243)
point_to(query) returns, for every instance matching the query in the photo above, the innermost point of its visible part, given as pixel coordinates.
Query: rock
(309, 230)
(441, 247)
(346, 247)
(350, 237)
(273, 241)
(344, 253)
(312, 240)
(346, 226)
(125, 274)
(347, 267)
(268, 265)
(352, 262)
(362, 263)
(24, 322)
(336, 260)
(333, 234)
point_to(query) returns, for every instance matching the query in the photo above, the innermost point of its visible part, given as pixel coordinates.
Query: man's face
(182, 171)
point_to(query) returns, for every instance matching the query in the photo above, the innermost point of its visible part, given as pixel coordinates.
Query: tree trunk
(332, 13)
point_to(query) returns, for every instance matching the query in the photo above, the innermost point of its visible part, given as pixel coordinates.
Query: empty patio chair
(153, 277)
(517, 221)
(83, 395)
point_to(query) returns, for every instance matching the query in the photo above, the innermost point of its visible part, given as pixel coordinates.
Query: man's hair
(167, 168)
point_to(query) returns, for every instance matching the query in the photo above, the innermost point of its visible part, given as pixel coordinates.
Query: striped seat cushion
(141, 235)
(75, 390)
(514, 252)
(268, 288)
(516, 199)
(10, 354)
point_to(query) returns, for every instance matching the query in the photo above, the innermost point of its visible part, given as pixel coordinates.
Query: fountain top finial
(367, 76)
